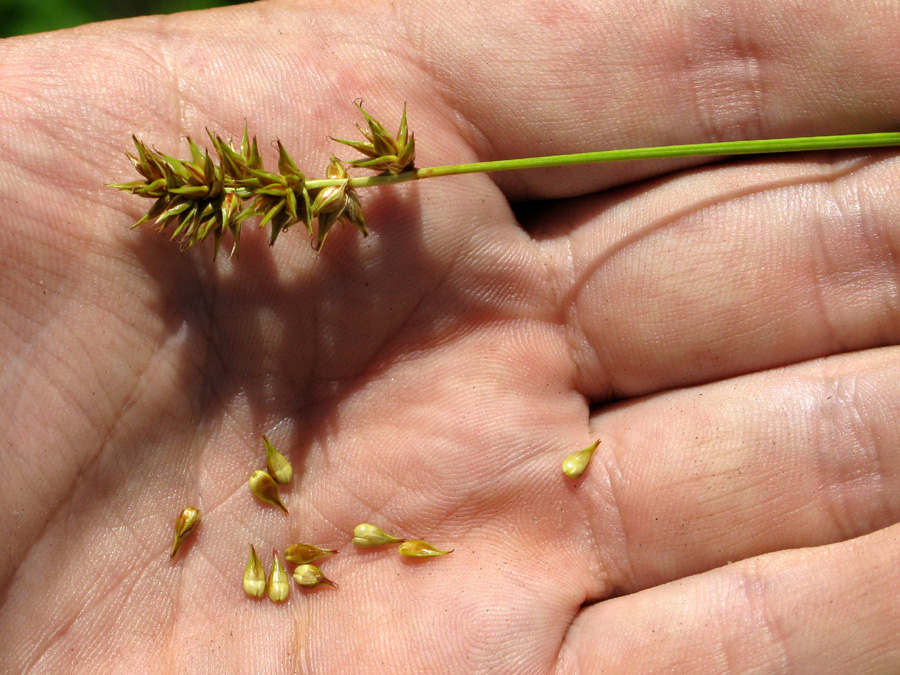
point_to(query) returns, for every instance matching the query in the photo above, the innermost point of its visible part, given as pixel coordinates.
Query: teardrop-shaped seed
(254, 576)
(266, 489)
(416, 548)
(370, 536)
(575, 464)
(185, 524)
(300, 554)
(311, 576)
(277, 464)
(279, 583)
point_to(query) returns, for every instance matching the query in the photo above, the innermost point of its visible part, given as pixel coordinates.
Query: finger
(711, 275)
(802, 456)
(581, 76)
(832, 609)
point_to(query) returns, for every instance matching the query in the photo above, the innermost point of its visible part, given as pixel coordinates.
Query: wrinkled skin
(727, 329)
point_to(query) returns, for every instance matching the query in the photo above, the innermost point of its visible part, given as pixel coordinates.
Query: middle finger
(799, 456)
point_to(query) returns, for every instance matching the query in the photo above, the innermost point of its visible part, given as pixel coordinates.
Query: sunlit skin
(727, 330)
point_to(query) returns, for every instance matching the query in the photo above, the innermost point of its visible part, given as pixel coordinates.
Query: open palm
(726, 330)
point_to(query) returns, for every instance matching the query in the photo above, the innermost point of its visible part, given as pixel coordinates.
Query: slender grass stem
(798, 144)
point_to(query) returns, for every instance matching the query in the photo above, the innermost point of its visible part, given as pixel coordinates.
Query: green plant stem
(798, 144)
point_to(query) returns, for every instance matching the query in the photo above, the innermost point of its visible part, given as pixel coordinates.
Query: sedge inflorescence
(211, 194)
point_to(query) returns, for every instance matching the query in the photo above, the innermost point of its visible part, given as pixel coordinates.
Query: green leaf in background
(20, 17)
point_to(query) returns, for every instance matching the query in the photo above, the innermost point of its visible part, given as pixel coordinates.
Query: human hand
(726, 330)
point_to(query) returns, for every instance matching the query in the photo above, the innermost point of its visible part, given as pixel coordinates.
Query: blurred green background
(18, 17)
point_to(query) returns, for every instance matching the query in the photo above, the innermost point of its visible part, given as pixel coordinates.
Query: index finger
(549, 78)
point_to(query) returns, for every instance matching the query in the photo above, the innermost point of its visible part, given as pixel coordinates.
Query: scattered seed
(370, 536)
(254, 576)
(311, 576)
(300, 554)
(277, 464)
(575, 464)
(279, 584)
(185, 524)
(266, 489)
(416, 548)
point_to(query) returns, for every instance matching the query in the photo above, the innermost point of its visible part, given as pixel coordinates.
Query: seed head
(266, 489)
(575, 464)
(190, 195)
(311, 576)
(416, 548)
(279, 583)
(277, 464)
(370, 536)
(185, 524)
(300, 554)
(390, 154)
(254, 576)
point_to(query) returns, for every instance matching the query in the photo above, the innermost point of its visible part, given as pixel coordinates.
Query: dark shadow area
(295, 348)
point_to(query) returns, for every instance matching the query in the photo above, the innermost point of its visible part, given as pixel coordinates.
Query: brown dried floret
(300, 554)
(266, 489)
(185, 524)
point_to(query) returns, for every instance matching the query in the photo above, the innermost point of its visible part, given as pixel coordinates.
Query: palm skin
(726, 330)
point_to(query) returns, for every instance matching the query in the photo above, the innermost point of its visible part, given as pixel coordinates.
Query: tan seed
(370, 536)
(416, 548)
(279, 584)
(310, 576)
(277, 464)
(575, 464)
(254, 576)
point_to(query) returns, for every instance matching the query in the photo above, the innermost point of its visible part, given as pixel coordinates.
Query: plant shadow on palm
(395, 372)
(292, 343)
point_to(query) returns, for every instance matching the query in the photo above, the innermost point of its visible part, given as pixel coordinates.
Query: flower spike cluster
(206, 197)
(188, 194)
(200, 197)
(386, 153)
